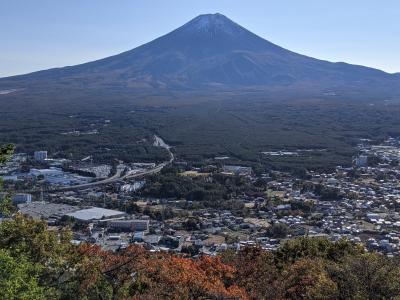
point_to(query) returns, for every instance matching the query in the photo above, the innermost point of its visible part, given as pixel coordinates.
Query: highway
(117, 177)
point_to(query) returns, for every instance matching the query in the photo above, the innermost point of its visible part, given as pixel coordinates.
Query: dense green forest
(199, 127)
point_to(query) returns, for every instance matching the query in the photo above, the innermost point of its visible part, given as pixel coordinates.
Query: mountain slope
(212, 51)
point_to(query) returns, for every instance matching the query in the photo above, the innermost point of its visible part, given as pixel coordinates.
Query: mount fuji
(211, 52)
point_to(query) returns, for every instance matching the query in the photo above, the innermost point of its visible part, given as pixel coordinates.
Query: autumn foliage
(138, 274)
(38, 263)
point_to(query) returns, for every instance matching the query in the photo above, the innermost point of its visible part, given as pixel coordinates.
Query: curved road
(117, 177)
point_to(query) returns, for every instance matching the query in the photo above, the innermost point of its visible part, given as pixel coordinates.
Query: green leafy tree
(19, 279)
(366, 276)
(49, 251)
(315, 248)
(5, 153)
(278, 230)
(6, 205)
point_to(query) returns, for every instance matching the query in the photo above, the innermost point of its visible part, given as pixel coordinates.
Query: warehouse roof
(95, 213)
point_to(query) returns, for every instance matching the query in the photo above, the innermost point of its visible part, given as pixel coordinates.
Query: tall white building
(40, 155)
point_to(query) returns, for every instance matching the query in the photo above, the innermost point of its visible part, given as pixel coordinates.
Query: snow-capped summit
(213, 23)
(207, 52)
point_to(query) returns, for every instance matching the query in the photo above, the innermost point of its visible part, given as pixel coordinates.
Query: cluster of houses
(360, 203)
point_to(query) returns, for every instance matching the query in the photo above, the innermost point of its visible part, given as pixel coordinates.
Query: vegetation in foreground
(38, 263)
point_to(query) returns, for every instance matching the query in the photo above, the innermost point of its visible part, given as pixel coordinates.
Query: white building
(361, 161)
(129, 225)
(40, 155)
(238, 170)
(96, 214)
(22, 198)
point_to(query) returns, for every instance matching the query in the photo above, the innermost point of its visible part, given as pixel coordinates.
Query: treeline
(170, 184)
(315, 268)
(79, 172)
(36, 263)
(214, 191)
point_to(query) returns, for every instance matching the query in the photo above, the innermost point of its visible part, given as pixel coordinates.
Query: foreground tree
(308, 279)
(19, 279)
(302, 247)
(366, 276)
(6, 205)
(6, 152)
(169, 277)
(256, 272)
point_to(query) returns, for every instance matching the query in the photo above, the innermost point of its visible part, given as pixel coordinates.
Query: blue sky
(40, 34)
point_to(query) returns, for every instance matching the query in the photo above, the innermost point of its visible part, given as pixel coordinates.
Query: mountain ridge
(211, 51)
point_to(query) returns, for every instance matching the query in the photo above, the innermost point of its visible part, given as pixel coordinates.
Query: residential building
(40, 155)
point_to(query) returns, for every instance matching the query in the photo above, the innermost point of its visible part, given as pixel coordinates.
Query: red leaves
(159, 275)
(186, 278)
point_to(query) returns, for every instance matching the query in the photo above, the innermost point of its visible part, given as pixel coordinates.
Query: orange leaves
(300, 269)
(184, 278)
(252, 273)
(308, 279)
(159, 275)
(256, 273)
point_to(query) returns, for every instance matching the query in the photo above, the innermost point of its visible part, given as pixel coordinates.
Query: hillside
(209, 88)
(211, 52)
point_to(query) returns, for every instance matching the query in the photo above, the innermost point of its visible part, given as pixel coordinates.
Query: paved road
(117, 177)
(108, 180)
